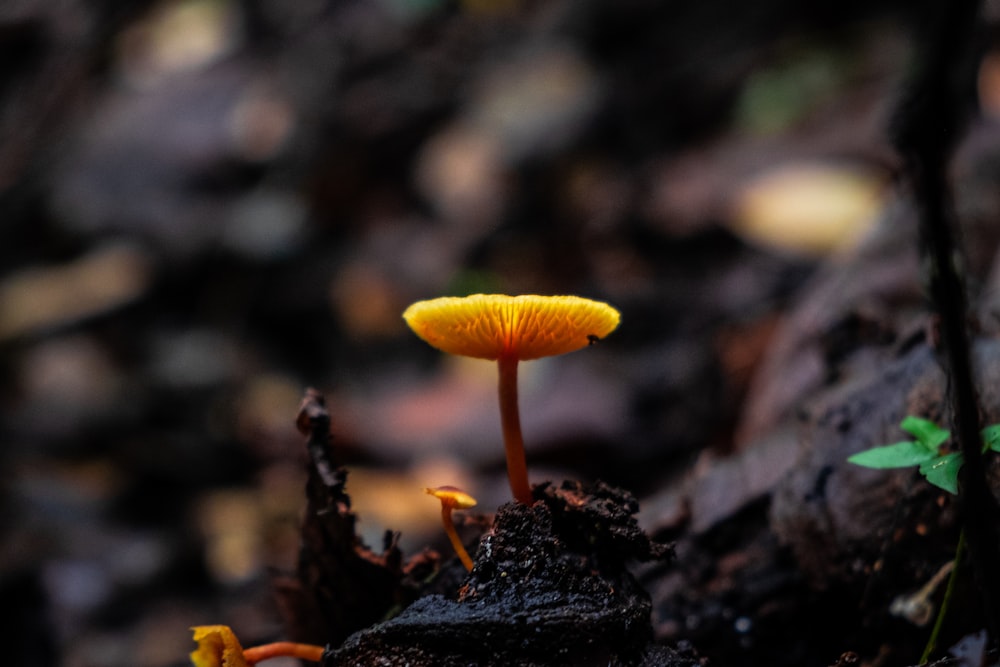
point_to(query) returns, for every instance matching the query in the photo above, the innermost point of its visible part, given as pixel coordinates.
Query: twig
(929, 119)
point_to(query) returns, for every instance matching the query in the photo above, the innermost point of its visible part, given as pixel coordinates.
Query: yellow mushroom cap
(453, 496)
(217, 647)
(490, 326)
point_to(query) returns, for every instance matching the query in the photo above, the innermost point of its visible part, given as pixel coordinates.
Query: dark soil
(548, 587)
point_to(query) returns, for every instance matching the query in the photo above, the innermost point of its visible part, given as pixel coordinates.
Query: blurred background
(209, 205)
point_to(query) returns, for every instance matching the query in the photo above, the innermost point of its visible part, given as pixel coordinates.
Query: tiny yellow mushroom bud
(454, 499)
(509, 329)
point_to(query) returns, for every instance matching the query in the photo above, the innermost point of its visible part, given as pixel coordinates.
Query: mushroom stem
(456, 542)
(510, 420)
(283, 649)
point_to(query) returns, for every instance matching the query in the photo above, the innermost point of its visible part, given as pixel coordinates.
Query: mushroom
(509, 329)
(453, 498)
(219, 647)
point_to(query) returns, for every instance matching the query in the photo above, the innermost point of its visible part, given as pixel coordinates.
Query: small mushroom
(509, 329)
(453, 498)
(219, 647)
(918, 607)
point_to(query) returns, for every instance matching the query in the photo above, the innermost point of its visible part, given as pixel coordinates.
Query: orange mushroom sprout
(453, 498)
(510, 329)
(219, 647)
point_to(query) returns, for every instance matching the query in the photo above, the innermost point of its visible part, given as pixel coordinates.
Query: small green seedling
(939, 468)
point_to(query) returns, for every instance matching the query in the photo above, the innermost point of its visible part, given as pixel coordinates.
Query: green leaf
(991, 438)
(898, 455)
(942, 471)
(927, 433)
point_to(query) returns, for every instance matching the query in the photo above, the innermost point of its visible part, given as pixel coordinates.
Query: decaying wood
(783, 531)
(340, 585)
(786, 532)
